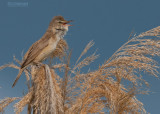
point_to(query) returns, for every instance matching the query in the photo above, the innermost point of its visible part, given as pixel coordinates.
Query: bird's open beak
(66, 23)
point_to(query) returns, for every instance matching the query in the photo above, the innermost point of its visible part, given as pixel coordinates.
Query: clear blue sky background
(107, 22)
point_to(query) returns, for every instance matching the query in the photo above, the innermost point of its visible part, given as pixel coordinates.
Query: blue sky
(107, 22)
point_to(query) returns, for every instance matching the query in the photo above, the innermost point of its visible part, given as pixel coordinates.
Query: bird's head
(59, 24)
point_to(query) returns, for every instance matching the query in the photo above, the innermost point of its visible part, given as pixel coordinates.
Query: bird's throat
(60, 34)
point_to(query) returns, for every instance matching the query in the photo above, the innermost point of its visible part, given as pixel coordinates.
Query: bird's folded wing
(34, 51)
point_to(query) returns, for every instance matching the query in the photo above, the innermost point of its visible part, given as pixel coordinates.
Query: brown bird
(42, 48)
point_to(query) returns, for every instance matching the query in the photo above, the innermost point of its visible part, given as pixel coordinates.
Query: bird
(41, 49)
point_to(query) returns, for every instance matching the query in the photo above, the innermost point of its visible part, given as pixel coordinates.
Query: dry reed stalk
(108, 94)
(45, 95)
(5, 102)
(64, 84)
(46, 92)
(86, 61)
(135, 57)
(88, 46)
(23, 102)
(58, 66)
(152, 32)
(9, 65)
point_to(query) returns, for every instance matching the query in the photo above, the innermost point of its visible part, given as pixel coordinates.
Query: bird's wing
(35, 50)
(18, 76)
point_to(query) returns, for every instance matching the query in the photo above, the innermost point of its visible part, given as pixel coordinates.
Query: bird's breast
(45, 53)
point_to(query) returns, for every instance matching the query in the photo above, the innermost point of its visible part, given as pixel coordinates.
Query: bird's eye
(60, 22)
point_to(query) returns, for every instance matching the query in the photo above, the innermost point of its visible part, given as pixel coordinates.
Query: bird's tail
(18, 76)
